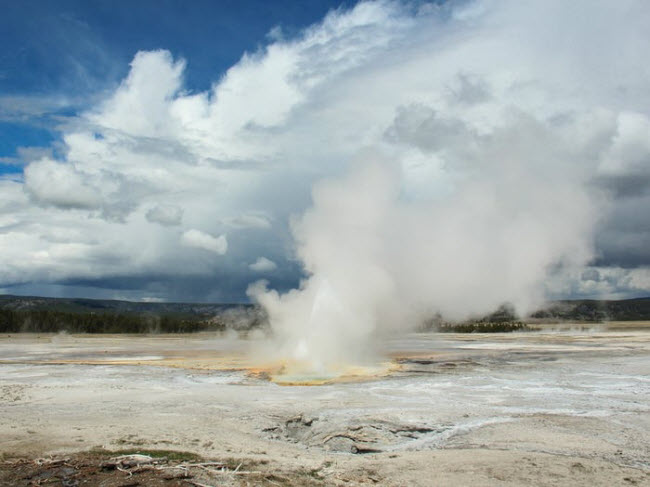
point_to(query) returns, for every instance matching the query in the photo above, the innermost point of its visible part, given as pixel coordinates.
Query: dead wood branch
(197, 484)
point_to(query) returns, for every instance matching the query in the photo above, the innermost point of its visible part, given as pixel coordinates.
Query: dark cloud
(623, 238)
(628, 185)
(626, 250)
(225, 286)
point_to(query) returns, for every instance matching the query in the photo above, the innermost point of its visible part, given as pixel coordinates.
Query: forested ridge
(51, 315)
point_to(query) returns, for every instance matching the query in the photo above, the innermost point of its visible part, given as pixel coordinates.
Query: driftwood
(136, 463)
(229, 472)
(50, 462)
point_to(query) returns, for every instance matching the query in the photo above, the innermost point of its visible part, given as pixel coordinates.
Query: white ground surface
(543, 408)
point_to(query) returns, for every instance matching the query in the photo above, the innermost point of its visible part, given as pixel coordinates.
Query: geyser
(464, 152)
(379, 260)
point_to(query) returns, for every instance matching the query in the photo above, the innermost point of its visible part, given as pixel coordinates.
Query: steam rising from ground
(379, 261)
(483, 185)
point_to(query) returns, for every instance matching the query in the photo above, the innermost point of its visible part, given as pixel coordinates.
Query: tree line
(52, 321)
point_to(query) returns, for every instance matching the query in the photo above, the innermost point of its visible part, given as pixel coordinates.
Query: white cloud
(527, 102)
(262, 264)
(58, 184)
(167, 215)
(140, 106)
(200, 240)
(17, 108)
(151, 299)
(602, 282)
(249, 221)
(630, 149)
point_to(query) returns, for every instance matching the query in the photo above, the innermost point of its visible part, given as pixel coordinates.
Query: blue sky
(62, 55)
(185, 151)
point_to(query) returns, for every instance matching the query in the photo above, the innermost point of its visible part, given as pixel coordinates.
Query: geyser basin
(297, 374)
(572, 397)
(199, 352)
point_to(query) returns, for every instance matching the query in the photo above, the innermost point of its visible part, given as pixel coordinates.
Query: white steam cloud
(383, 246)
(379, 261)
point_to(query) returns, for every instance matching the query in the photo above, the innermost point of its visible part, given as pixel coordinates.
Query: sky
(173, 151)
(60, 57)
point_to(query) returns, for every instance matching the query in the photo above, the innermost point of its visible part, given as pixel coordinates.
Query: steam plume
(379, 260)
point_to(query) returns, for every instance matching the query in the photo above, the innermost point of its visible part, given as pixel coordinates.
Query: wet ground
(569, 407)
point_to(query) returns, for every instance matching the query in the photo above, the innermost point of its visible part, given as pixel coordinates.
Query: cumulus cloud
(167, 215)
(200, 240)
(258, 220)
(478, 94)
(606, 282)
(262, 264)
(140, 106)
(630, 148)
(59, 184)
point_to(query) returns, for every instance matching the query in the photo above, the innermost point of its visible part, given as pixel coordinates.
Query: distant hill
(77, 315)
(82, 305)
(597, 311)
(582, 310)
